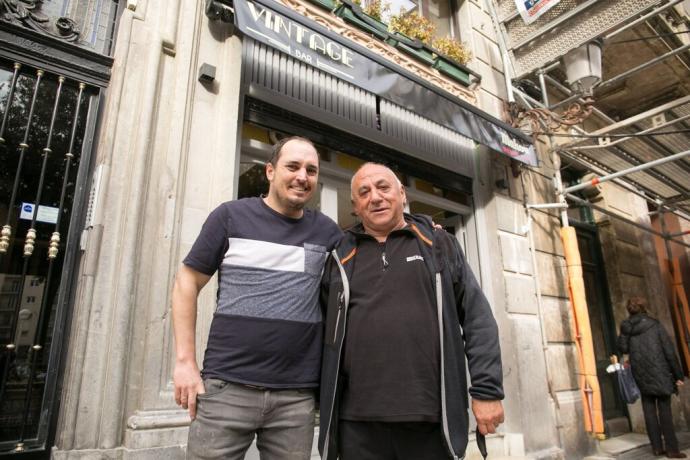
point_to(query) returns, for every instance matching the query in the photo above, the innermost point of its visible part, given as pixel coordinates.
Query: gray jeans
(230, 415)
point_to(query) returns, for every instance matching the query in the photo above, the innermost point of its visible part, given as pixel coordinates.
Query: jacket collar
(419, 225)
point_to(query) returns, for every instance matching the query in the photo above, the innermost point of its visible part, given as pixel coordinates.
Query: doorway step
(617, 426)
(632, 446)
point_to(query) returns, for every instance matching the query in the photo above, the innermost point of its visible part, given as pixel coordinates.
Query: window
(439, 12)
(400, 6)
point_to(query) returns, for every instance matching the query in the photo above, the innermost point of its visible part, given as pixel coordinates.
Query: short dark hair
(278, 148)
(636, 305)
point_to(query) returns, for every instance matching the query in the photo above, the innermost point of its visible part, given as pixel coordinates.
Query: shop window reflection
(439, 12)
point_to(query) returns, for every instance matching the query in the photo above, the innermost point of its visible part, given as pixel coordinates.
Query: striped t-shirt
(267, 328)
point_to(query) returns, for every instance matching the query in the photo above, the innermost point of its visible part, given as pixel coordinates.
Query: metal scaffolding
(647, 154)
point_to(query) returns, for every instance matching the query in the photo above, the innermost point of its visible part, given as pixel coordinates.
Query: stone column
(167, 154)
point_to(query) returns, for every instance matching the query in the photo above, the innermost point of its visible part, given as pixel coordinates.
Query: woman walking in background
(657, 372)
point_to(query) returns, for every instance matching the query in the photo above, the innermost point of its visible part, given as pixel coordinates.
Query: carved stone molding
(337, 25)
(27, 13)
(41, 51)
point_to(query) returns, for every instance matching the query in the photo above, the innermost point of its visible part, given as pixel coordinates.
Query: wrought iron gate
(43, 165)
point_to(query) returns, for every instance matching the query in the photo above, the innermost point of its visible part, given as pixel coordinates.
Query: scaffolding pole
(665, 236)
(634, 169)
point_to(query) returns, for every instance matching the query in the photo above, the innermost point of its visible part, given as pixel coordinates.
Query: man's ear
(270, 170)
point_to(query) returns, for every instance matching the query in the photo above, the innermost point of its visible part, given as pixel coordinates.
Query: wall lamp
(583, 71)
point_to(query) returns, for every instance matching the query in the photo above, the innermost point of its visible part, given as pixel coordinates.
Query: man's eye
(312, 171)
(291, 167)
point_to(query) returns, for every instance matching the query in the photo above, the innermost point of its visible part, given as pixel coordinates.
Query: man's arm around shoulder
(186, 377)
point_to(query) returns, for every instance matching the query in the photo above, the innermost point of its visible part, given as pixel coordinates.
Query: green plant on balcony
(452, 49)
(413, 25)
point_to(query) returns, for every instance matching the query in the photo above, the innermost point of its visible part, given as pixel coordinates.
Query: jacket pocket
(334, 315)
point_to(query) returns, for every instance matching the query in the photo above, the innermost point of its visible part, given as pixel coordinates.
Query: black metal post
(6, 232)
(37, 348)
(13, 85)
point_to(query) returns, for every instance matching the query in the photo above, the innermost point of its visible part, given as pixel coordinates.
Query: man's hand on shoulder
(188, 384)
(489, 415)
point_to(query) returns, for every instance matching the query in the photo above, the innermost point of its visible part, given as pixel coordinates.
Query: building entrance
(601, 318)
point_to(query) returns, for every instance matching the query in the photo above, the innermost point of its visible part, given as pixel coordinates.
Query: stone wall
(166, 156)
(540, 387)
(529, 281)
(478, 32)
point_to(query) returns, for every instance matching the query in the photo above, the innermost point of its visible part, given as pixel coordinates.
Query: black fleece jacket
(653, 359)
(467, 330)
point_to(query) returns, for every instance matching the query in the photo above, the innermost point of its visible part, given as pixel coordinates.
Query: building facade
(125, 123)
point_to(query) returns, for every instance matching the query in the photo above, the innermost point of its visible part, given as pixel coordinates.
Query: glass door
(42, 131)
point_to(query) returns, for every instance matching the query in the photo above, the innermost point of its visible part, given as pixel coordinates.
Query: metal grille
(41, 136)
(519, 31)
(275, 71)
(390, 124)
(669, 181)
(505, 9)
(535, 45)
(452, 151)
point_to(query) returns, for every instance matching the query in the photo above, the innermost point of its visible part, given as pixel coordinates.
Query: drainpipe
(540, 306)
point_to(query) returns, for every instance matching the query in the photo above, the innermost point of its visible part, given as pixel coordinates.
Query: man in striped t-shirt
(261, 366)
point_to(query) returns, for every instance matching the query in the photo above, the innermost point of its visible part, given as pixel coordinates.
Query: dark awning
(312, 44)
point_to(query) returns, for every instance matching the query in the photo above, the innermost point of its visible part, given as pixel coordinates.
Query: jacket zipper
(346, 301)
(341, 299)
(444, 413)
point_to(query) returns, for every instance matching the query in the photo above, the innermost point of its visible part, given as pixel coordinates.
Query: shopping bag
(626, 384)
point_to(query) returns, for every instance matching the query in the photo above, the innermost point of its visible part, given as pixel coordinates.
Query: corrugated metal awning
(286, 40)
(278, 79)
(658, 133)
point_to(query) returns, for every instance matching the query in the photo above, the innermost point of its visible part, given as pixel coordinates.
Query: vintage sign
(297, 40)
(296, 36)
(530, 10)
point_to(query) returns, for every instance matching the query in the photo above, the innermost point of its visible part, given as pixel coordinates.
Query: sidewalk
(635, 446)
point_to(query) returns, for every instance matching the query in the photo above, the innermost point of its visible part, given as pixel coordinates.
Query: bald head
(378, 198)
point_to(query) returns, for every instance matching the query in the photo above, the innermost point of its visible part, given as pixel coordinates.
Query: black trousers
(659, 421)
(391, 441)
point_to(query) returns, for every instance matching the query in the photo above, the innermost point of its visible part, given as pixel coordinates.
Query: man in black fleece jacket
(403, 313)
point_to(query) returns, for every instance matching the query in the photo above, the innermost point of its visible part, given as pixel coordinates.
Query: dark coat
(653, 359)
(468, 329)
